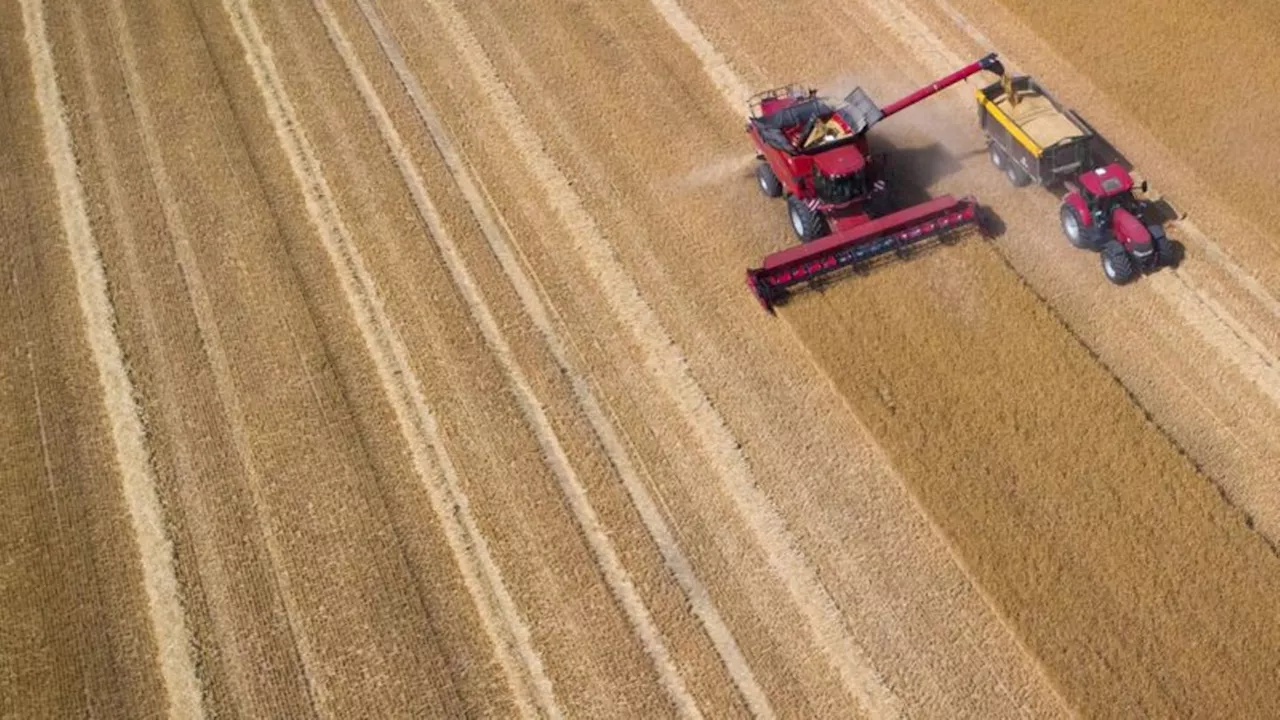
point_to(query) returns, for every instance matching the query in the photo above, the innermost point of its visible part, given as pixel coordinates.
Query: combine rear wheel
(769, 184)
(1116, 263)
(807, 224)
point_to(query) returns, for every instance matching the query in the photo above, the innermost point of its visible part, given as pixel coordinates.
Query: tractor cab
(1103, 214)
(1105, 189)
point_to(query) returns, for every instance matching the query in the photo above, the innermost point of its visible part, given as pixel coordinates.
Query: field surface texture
(391, 358)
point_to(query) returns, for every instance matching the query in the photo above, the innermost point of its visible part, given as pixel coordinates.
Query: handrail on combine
(756, 102)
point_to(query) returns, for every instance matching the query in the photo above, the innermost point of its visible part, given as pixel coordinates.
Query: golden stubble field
(392, 357)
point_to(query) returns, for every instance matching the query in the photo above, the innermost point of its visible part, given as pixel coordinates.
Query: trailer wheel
(1073, 227)
(769, 184)
(1017, 176)
(1116, 263)
(997, 156)
(807, 224)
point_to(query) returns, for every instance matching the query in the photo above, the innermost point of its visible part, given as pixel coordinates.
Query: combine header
(816, 154)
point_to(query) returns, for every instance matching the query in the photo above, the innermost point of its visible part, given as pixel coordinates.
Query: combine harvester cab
(815, 153)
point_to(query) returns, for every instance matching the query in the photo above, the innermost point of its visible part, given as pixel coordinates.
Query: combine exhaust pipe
(772, 281)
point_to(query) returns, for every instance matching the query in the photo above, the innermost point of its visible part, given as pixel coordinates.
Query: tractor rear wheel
(1116, 263)
(807, 224)
(1073, 227)
(769, 184)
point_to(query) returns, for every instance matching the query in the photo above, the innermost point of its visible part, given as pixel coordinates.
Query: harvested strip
(172, 637)
(697, 595)
(212, 343)
(1234, 342)
(606, 556)
(523, 667)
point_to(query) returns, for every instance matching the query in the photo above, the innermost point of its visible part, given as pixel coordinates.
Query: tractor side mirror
(1143, 186)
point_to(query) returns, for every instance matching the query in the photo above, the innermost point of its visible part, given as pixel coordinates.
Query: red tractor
(1034, 138)
(814, 152)
(1102, 214)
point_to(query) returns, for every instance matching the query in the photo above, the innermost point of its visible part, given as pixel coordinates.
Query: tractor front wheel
(807, 224)
(1116, 263)
(1168, 252)
(1073, 227)
(769, 184)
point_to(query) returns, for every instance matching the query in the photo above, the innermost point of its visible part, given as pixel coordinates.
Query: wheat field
(391, 358)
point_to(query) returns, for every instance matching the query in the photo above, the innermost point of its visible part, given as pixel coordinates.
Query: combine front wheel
(807, 224)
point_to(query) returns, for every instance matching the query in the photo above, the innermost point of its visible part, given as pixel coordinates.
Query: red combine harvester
(816, 154)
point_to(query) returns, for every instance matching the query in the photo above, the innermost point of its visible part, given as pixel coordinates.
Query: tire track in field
(497, 239)
(1229, 265)
(46, 458)
(126, 229)
(606, 556)
(138, 480)
(211, 341)
(1220, 329)
(732, 87)
(497, 610)
(666, 363)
